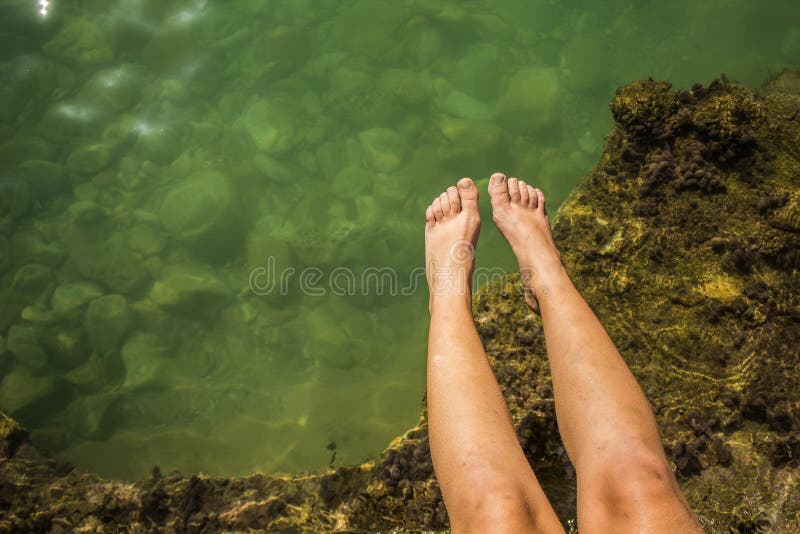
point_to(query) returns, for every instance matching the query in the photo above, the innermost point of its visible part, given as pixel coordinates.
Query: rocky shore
(685, 239)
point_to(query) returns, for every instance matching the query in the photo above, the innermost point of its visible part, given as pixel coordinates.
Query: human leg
(605, 421)
(487, 484)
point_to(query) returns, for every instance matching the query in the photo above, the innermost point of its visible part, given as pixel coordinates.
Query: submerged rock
(30, 396)
(81, 41)
(270, 124)
(383, 150)
(72, 295)
(190, 290)
(145, 357)
(529, 103)
(108, 320)
(198, 206)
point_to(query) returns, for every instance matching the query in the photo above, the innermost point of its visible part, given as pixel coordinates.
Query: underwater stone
(46, 178)
(109, 263)
(529, 102)
(159, 143)
(80, 41)
(89, 159)
(383, 150)
(108, 320)
(23, 343)
(351, 181)
(66, 345)
(23, 148)
(270, 125)
(146, 240)
(23, 391)
(85, 212)
(199, 205)
(145, 357)
(16, 198)
(464, 106)
(117, 88)
(70, 296)
(477, 72)
(30, 247)
(409, 88)
(463, 137)
(32, 279)
(190, 290)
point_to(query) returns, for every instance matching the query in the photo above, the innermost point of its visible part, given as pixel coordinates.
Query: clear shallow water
(155, 155)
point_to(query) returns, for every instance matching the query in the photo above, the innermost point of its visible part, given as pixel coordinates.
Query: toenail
(498, 178)
(463, 183)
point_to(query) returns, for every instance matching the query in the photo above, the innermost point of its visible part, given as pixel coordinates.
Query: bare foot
(519, 212)
(451, 233)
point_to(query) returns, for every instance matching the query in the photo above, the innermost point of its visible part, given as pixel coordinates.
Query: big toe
(498, 190)
(469, 194)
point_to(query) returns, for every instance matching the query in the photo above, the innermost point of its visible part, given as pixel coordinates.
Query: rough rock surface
(685, 240)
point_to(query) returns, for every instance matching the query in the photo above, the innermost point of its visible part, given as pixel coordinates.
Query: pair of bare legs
(609, 431)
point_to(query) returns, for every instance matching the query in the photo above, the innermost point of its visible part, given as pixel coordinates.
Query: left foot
(451, 233)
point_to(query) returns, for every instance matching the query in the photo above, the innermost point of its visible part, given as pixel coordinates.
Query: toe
(524, 197)
(513, 190)
(532, 199)
(445, 202)
(455, 201)
(498, 190)
(429, 215)
(539, 200)
(468, 194)
(436, 205)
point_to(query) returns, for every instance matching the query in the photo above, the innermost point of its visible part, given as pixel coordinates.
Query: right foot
(519, 212)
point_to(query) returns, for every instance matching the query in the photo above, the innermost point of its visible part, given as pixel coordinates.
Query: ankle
(545, 277)
(452, 302)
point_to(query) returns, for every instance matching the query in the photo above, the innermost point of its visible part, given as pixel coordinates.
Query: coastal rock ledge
(685, 239)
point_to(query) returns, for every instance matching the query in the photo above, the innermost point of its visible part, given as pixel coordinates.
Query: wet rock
(85, 212)
(23, 342)
(464, 106)
(109, 263)
(30, 397)
(270, 124)
(70, 296)
(108, 321)
(462, 136)
(529, 103)
(22, 148)
(31, 247)
(117, 88)
(96, 373)
(160, 142)
(47, 179)
(478, 71)
(33, 279)
(66, 345)
(89, 159)
(201, 205)
(72, 119)
(190, 290)
(383, 150)
(408, 88)
(145, 357)
(146, 240)
(81, 41)
(16, 198)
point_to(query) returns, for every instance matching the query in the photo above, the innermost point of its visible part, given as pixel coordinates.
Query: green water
(155, 155)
